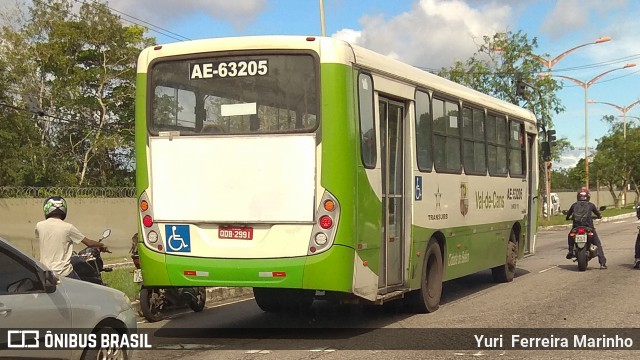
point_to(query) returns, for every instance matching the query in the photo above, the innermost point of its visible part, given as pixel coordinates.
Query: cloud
(571, 16)
(434, 33)
(569, 159)
(158, 12)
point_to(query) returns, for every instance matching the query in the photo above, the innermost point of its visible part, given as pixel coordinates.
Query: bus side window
(367, 129)
(424, 151)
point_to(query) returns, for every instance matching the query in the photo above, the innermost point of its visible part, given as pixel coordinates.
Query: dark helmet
(583, 194)
(55, 205)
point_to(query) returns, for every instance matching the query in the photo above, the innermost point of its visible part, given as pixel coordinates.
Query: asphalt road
(548, 295)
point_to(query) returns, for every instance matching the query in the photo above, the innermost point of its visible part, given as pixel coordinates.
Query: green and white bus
(310, 168)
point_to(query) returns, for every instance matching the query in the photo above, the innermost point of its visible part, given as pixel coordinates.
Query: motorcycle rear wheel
(152, 304)
(201, 295)
(582, 259)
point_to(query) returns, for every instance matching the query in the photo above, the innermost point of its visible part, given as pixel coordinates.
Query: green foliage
(616, 163)
(121, 278)
(77, 71)
(494, 70)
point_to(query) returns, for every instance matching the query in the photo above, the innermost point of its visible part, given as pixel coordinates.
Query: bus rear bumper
(331, 270)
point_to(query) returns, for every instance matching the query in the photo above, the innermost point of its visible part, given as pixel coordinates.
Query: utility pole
(324, 33)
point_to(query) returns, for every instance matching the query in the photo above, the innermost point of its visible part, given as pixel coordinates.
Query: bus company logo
(487, 200)
(464, 198)
(438, 196)
(459, 257)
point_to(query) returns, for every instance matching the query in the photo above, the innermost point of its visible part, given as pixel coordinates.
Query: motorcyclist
(56, 238)
(585, 219)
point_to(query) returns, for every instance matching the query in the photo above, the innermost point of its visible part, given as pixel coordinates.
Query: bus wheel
(505, 273)
(283, 300)
(427, 299)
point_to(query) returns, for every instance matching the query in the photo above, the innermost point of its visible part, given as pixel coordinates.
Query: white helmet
(55, 205)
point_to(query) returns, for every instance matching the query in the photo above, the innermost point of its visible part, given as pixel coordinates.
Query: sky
(434, 33)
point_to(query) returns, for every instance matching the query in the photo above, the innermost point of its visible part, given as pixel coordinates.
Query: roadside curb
(604, 219)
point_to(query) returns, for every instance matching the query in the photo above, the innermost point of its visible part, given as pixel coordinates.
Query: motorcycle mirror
(603, 208)
(106, 233)
(564, 212)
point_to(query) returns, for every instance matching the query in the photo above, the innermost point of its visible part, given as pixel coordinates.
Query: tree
(500, 62)
(616, 161)
(77, 70)
(494, 68)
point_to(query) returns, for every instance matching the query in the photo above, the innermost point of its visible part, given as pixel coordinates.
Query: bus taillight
(329, 205)
(144, 205)
(325, 222)
(321, 238)
(147, 221)
(324, 230)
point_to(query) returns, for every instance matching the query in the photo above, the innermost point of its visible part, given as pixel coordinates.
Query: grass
(560, 219)
(122, 279)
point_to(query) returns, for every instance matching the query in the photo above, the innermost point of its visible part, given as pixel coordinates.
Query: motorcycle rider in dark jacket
(584, 196)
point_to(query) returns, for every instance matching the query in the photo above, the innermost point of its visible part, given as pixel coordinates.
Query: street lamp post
(623, 110)
(549, 63)
(585, 85)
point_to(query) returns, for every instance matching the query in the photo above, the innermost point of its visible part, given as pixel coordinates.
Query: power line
(138, 21)
(600, 64)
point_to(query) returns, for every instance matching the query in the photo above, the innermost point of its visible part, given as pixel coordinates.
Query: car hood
(91, 303)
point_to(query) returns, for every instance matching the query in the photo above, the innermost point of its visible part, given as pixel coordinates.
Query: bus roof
(336, 51)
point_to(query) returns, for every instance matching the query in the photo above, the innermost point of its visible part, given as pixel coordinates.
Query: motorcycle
(88, 264)
(583, 248)
(155, 302)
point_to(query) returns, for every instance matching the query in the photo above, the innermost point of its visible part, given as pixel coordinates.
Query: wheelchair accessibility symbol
(178, 238)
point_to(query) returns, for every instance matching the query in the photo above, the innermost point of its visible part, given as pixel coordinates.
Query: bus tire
(507, 271)
(283, 300)
(427, 299)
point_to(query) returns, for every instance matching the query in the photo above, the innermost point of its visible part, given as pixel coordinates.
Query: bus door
(392, 171)
(532, 203)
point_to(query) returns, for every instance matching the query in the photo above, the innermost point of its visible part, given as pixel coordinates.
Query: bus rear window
(238, 94)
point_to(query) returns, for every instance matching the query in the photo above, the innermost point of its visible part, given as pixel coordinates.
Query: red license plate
(235, 232)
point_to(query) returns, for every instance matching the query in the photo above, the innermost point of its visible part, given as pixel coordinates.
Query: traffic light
(546, 151)
(520, 86)
(551, 137)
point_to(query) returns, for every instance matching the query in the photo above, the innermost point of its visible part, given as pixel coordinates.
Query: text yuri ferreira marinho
(576, 341)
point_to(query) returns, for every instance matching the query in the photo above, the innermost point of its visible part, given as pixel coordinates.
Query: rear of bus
(230, 148)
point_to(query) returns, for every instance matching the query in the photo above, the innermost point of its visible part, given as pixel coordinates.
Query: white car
(555, 205)
(33, 299)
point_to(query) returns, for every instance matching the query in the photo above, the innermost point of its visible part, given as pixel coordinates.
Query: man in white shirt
(56, 238)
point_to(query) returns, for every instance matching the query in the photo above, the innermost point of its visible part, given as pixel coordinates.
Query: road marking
(553, 267)
(619, 222)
